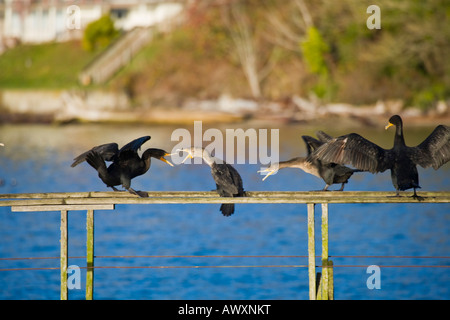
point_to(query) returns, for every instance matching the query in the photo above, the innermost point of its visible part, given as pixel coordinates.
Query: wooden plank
(249, 194)
(175, 197)
(64, 255)
(46, 208)
(89, 255)
(311, 253)
(106, 194)
(31, 202)
(218, 200)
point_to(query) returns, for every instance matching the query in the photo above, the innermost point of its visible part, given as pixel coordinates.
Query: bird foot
(417, 197)
(141, 194)
(414, 196)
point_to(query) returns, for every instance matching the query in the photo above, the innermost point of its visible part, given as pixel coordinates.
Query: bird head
(192, 152)
(158, 154)
(273, 168)
(394, 121)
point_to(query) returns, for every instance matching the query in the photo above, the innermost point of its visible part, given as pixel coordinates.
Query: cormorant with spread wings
(402, 160)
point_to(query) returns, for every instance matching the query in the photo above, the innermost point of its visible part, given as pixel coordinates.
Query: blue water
(37, 158)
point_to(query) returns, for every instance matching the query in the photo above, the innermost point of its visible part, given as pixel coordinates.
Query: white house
(36, 21)
(131, 14)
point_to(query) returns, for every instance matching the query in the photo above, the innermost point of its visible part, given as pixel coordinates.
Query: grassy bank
(43, 66)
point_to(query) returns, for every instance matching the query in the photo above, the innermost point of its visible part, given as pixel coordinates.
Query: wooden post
(318, 286)
(325, 274)
(63, 255)
(311, 253)
(330, 281)
(90, 255)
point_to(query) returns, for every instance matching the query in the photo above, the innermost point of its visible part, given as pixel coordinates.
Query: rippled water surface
(37, 158)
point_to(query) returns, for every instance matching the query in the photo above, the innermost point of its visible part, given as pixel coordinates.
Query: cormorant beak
(165, 160)
(188, 156)
(269, 172)
(389, 125)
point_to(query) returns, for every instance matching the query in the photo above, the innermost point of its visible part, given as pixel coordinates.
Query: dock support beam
(321, 283)
(311, 253)
(90, 255)
(64, 255)
(324, 251)
(330, 281)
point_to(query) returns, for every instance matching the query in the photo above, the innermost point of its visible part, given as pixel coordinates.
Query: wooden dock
(320, 284)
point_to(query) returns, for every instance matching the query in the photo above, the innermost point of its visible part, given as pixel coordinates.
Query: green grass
(53, 65)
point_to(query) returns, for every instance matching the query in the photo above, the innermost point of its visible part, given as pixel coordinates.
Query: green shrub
(314, 49)
(99, 34)
(425, 98)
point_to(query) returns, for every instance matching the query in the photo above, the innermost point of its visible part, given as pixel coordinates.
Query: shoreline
(188, 117)
(99, 106)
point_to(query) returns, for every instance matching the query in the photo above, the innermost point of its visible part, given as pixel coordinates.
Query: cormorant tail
(227, 209)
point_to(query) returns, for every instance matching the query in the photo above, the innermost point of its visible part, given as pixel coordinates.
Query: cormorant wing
(134, 145)
(355, 150)
(227, 179)
(107, 151)
(127, 160)
(434, 150)
(237, 179)
(323, 137)
(311, 144)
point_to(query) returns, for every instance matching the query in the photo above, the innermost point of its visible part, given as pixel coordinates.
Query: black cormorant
(331, 173)
(228, 181)
(126, 163)
(361, 153)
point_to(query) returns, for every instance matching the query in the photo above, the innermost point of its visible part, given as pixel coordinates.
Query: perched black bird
(228, 181)
(126, 163)
(331, 173)
(402, 160)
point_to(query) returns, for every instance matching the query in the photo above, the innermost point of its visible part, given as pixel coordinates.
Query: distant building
(37, 21)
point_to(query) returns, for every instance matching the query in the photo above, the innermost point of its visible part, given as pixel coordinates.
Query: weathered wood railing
(90, 201)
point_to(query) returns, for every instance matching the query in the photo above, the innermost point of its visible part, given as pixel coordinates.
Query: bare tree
(288, 33)
(244, 38)
(245, 47)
